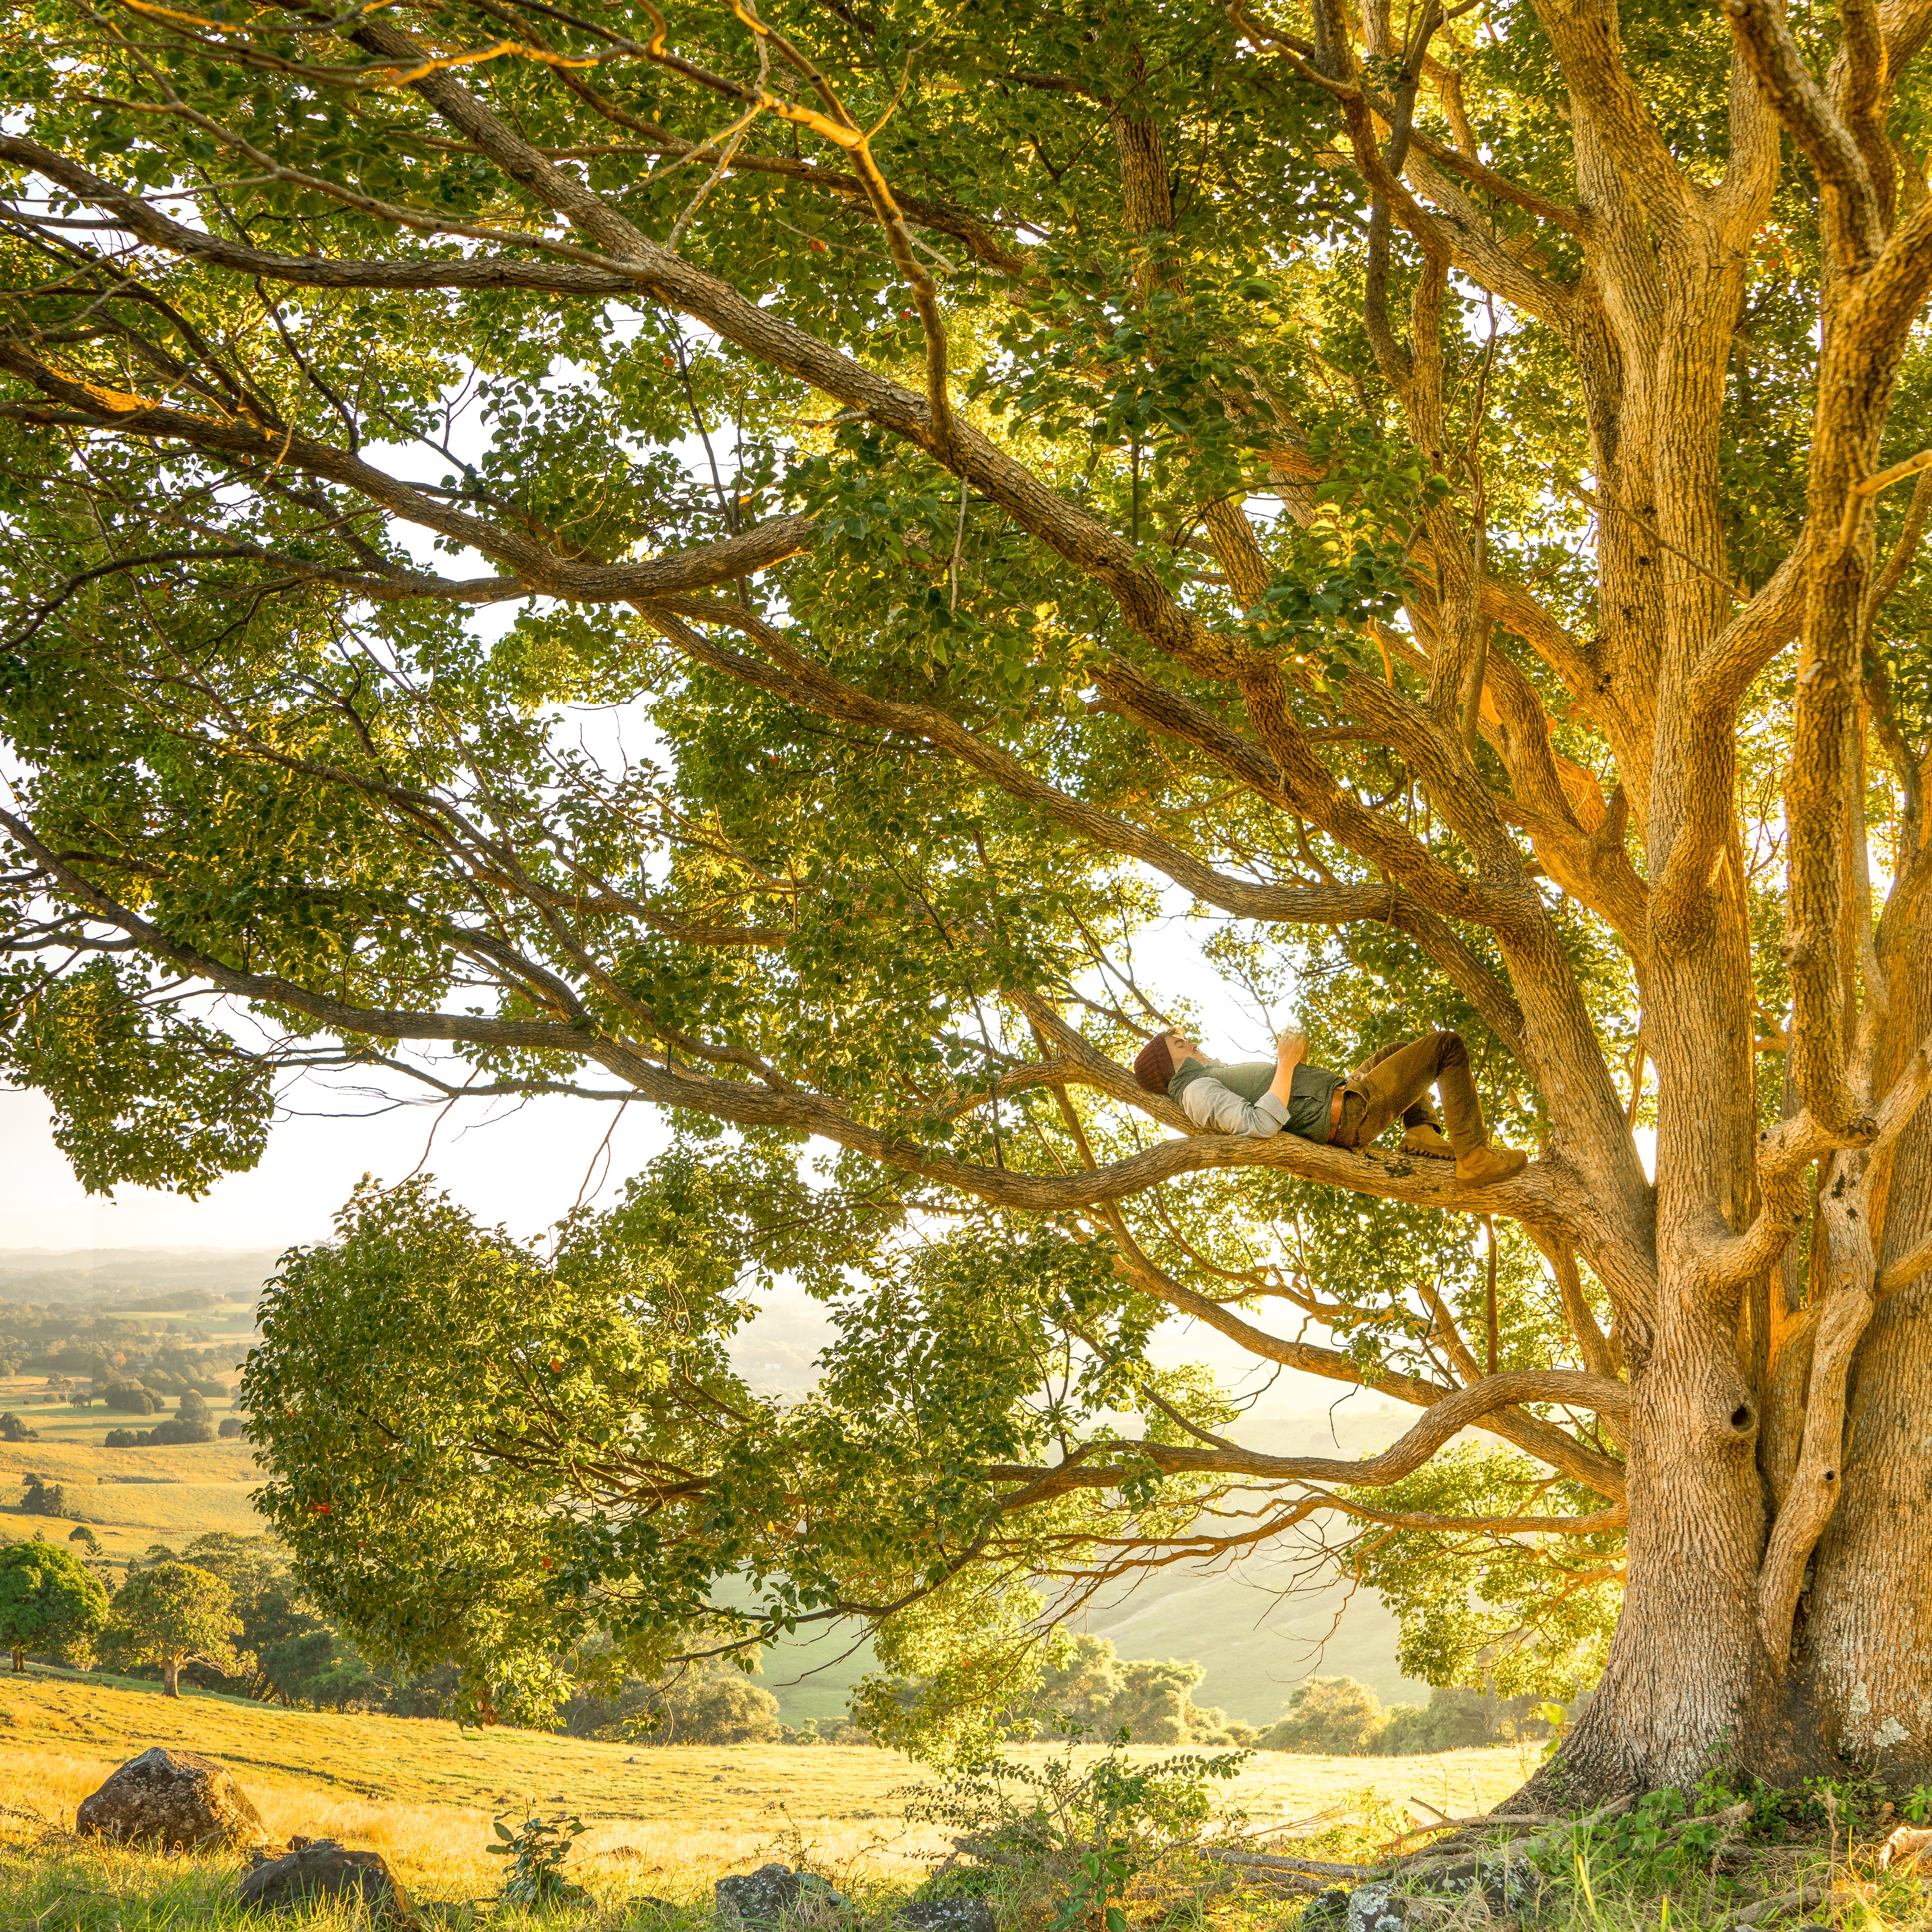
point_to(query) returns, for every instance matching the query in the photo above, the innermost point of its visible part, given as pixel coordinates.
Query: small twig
(1870, 486)
(1796, 1900)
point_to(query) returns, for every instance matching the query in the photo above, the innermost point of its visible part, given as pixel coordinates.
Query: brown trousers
(1396, 1081)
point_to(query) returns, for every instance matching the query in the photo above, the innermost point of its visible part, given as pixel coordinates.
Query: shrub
(13, 1429)
(1333, 1716)
(1081, 1841)
(708, 1701)
(124, 1439)
(231, 1425)
(538, 1847)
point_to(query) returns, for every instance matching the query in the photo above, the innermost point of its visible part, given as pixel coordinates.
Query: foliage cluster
(1089, 1686)
(537, 1848)
(706, 1700)
(51, 1603)
(40, 1497)
(1079, 1841)
(191, 1423)
(116, 1352)
(1337, 1715)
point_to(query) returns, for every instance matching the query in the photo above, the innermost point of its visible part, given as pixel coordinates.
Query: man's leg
(1396, 1080)
(1423, 1125)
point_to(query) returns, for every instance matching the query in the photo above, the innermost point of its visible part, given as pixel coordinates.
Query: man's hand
(1290, 1049)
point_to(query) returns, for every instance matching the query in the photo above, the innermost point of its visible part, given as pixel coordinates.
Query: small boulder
(763, 1896)
(319, 1868)
(172, 1800)
(961, 1913)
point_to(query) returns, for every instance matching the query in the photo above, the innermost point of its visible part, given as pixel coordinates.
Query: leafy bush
(1082, 1840)
(709, 1700)
(13, 1429)
(1336, 1716)
(538, 1846)
(231, 1425)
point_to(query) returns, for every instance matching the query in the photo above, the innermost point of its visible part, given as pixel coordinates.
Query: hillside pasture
(187, 1489)
(666, 1822)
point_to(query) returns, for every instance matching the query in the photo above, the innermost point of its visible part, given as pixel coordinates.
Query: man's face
(1183, 1049)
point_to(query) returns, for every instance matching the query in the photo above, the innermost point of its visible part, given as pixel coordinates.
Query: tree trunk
(20, 1661)
(1865, 1634)
(170, 1677)
(1687, 1670)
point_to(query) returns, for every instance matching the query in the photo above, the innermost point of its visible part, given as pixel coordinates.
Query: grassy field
(667, 1822)
(186, 1490)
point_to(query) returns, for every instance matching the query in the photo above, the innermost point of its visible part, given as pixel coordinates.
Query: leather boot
(1487, 1165)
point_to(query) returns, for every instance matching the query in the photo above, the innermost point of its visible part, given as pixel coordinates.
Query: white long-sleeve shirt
(1219, 1109)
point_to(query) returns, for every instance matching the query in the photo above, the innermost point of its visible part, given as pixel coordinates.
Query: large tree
(954, 488)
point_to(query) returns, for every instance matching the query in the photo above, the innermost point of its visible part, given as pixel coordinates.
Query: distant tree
(1082, 1683)
(1455, 1718)
(709, 1700)
(122, 1439)
(193, 1423)
(231, 1425)
(42, 1498)
(173, 1614)
(1090, 1683)
(81, 1534)
(1333, 1716)
(130, 1398)
(13, 1429)
(50, 1603)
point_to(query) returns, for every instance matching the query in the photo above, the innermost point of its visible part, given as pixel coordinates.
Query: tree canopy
(767, 567)
(174, 1613)
(50, 1603)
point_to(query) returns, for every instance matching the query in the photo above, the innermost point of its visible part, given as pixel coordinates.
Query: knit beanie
(1154, 1068)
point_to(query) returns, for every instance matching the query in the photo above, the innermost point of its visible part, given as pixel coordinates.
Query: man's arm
(1290, 1051)
(1220, 1110)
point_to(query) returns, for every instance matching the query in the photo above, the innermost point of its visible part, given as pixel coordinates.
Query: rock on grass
(320, 1868)
(173, 1801)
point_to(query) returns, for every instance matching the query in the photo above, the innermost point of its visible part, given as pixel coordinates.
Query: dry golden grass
(666, 1822)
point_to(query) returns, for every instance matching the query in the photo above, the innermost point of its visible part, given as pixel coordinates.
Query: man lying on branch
(1348, 1110)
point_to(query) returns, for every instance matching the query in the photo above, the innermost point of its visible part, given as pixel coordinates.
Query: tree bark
(171, 1677)
(1865, 1630)
(1686, 1671)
